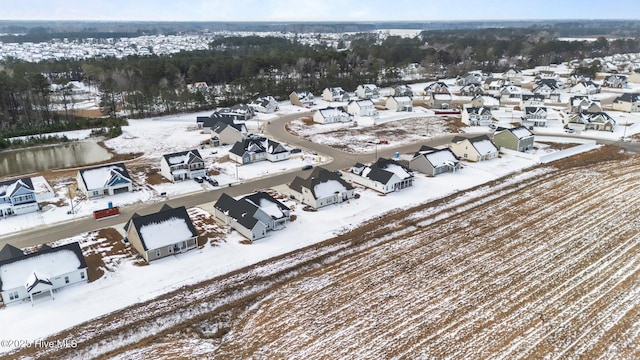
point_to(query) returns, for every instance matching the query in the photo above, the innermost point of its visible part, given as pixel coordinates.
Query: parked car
(213, 182)
(295, 151)
(198, 179)
(307, 167)
(570, 130)
(338, 172)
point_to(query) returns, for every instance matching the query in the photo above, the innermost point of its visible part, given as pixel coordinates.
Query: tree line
(241, 68)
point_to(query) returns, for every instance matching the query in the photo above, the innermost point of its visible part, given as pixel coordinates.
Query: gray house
(17, 197)
(432, 161)
(321, 188)
(518, 138)
(165, 233)
(227, 133)
(253, 215)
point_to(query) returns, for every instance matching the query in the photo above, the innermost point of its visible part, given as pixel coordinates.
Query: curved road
(275, 129)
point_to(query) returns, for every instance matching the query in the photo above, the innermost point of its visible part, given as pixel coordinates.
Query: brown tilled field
(546, 266)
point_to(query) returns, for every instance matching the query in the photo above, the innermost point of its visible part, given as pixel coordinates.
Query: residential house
(435, 100)
(518, 138)
(302, 98)
(182, 165)
(535, 116)
(528, 100)
(165, 233)
(590, 121)
(265, 105)
(615, 81)
(403, 90)
(241, 112)
(629, 102)
(437, 87)
(207, 122)
(476, 116)
(223, 133)
(385, 176)
(41, 273)
(472, 77)
(362, 108)
(104, 180)
(511, 93)
(578, 78)
(432, 161)
(17, 197)
(321, 188)
(331, 115)
(478, 148)
(585, 87)
(495, 84)
(634, 77)
(513, 74)
(253, 215)
(487, 101)
(335, 94)
(257, 148)
(399, 103)
(471, 90)
(367, 91)
(550, 88)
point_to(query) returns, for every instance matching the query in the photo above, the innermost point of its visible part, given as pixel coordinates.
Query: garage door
(120, 190)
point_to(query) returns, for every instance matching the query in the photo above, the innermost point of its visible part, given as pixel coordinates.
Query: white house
(478, 148)
(182, 165)
(321, 188)
(253, 215)
(302, 98)
(585, 88)
(535, 116)
(385, 176)
(335, 94)
(40, 274)
(367, 91)
(528, 100)
(265, 105)
(17, 197)
(476, 116)
(104, 180)
(399, 103)
(591, 121)
(361, 108)
(165, 233)
(330, 115)
(257, 148)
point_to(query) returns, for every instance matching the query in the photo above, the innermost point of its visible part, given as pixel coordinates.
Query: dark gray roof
(319, 175)
(74, 247)
(532, 96)
(165, 213)
(258, 144)
(22, 182)
(533, 109)
(628, 97)
(471, 139)
(210, 121)
(9, 252)
(378, 170)
(240, 210)
(261, 195)
(194, 155)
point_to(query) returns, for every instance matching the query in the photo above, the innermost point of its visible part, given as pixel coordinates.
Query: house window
(170, 249)
(13, 295)
(158, 252)
(66, 279)
(82, 275)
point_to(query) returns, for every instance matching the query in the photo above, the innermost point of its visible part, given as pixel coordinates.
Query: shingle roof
(166, 213)
(318, 176)
(240, 210)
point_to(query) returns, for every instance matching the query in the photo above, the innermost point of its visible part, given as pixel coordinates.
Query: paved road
(276, 128)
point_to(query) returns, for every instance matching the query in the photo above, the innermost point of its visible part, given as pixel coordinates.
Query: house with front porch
(40, 274)
(321, 188)
(403, 90)
(590, 121)
(257, 148)
(529, 100)
(511, 93)
(168, 232)
(385, 176)
(240, 112)
(587, 87)
(253, 215)
(512, 74)
(331, 115)
(487, 101)
(518, 138)
(471, 90)
(438, 100)
(17, 197)
(535, 116)
(476, 116)
(628, 102)
(104, 180)
(549, 88)
(265, 105)
(335, 94)
(182, 165)
(432, 161)
(437, 87)
(399, 103)
(615, 81)
(478, 148)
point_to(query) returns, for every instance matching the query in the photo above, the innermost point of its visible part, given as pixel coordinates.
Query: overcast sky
(316, 10)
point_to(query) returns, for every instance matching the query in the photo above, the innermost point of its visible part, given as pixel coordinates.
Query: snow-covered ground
(130, 284)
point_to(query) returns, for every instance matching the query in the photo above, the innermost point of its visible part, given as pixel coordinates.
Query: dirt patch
(104, 252)
(153, 177)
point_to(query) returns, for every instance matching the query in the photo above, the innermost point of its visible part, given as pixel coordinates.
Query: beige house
(302, 98)
(627, 102)
(479, 148)
(399, 103)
